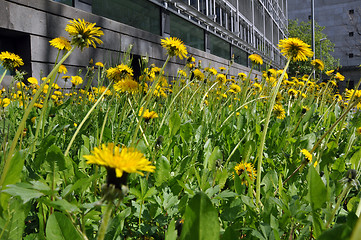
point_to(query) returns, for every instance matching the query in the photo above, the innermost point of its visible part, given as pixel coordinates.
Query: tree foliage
(302, 30)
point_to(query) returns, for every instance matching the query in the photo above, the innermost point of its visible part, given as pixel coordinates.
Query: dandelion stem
(2, 77)
(264, 133)
(105, 220)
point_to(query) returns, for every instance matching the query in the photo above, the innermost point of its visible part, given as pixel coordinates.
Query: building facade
(213, 30)
(342, 22)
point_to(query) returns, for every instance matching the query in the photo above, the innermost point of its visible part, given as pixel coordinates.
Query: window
(189, 33)
(350, 34)
(68, 2)
(351, 11)
(350, 55)
(140, 14)
(219, 47)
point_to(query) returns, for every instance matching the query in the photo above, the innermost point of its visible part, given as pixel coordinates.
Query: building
(342, 22)
(213, 30)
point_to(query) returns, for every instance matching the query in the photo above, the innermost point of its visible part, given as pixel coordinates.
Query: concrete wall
(44, 20)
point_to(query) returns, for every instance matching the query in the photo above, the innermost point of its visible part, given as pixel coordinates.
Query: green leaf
(15, 225)
(248, 149)
(174, 123)
(43, 148)
(200, 219)
(171, 233)
(162, 173)
(150, 193)
(117, 224)
(211, 161)
(64, 205)
(238, 184)
(186, 131)
(59, 227)
(316, 188)
(55, 156)
(12, 176)
(24, 191)
(355, 159)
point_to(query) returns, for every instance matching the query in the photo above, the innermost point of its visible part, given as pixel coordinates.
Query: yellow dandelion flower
(256, 59)
(248, 169)
(318, 64)
(221, 78)
(119, 72)
(10, 60)
(295, 49)
(279, 112)
(76, 80)
(60, 43)
(127, 160)
(99, 64)
(84, 33)
(32, 80)
(147, 115)
(242, 75)
(38, 105)
(213, 71)
(257, 86)
(174, 47)
(182, 73)
(4, 102)
(307, 154)
(339, 77)
(329, 73)
(126, 85)
(292, 92)
(337, 97)
(198, 74)
(357, 96)
(62, 69)
(234, 88)
(222, 69)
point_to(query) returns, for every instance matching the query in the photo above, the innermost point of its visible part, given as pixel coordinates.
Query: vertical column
(165, 23)
(253, 42)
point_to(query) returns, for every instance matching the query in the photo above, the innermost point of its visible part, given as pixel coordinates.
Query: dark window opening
(18, 43)
(136, 66)
(351, 11)
(350, 34)
(350, 55)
